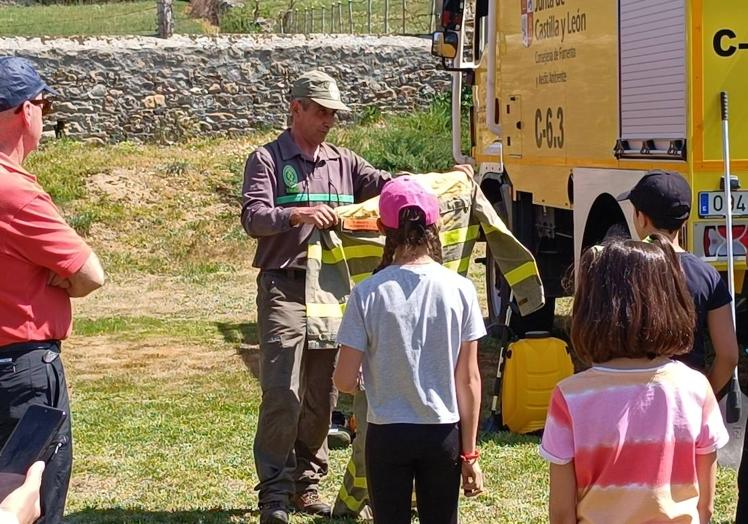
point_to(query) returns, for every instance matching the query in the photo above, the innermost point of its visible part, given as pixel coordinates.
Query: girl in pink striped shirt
(634, 438)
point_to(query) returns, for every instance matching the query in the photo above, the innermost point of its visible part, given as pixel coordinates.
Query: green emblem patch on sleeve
(291, 179)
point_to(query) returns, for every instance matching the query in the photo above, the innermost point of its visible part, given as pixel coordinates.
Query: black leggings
(398, 454)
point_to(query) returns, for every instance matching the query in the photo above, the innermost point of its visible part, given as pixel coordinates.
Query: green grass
(139, 18)
(416, 143)
(175, 447)
(119, 18)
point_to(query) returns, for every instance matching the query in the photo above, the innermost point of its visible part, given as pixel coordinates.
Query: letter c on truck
(719, 38)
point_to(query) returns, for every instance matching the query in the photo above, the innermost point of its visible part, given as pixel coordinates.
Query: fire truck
(573, 101)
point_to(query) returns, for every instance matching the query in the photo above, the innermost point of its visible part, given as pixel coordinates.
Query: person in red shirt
(44, 263)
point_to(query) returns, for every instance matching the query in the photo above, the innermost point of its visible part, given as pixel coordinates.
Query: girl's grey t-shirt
(409, 322)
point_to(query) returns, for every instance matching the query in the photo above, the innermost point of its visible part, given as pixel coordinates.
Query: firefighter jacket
(339, 258)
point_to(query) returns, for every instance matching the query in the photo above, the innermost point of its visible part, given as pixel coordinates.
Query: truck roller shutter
(652, 78)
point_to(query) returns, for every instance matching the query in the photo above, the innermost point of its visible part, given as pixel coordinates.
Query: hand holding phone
(28, 443)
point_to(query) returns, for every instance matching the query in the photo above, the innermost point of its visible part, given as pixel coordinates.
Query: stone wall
(140, 88)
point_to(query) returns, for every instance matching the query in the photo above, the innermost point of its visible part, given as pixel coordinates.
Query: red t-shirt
(34, 240)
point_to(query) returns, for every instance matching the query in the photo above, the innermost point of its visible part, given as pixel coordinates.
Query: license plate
(712, 203)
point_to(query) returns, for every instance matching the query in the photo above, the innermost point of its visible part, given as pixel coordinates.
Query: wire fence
(88, 19)
(361, 17)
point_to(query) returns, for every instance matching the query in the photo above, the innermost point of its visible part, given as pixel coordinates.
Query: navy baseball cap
(661, 195)
(19, 82)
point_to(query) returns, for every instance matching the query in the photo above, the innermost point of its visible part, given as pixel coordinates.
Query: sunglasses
(44, 103)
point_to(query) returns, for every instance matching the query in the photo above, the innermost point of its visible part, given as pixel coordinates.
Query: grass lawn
(163, 363)
(121, 18)
(139, 18)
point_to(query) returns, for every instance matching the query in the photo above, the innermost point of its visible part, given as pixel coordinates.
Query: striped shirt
(633, 435)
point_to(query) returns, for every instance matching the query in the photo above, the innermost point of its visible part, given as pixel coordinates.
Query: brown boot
(310, 503)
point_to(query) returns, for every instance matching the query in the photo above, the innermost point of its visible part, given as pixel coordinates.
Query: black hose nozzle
(723, 104)
(734, 402)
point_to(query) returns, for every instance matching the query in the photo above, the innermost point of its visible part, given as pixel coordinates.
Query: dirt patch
(98, 357)
(81, 483)
(127, 186)
(220, 296)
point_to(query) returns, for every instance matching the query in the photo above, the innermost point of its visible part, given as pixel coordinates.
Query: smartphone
(31, 439)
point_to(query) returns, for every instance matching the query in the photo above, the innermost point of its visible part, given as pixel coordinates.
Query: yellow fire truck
(574, 100)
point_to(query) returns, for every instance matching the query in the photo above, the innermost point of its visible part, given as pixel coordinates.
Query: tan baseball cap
(319, 87)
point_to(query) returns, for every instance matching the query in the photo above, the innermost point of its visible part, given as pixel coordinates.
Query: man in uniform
(44, 263)
(291, 186)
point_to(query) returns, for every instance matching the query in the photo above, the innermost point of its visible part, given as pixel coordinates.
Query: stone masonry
(147, 89)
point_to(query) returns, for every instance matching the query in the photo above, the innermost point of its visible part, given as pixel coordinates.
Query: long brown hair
(631, 301)
(412, 234)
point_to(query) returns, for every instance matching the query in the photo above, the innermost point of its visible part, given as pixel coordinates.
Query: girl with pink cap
(414, 328)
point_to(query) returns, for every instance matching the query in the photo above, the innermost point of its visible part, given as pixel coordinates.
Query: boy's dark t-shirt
(709, 292)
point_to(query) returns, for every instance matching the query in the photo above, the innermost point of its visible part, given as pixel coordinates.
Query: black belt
(21, 348)
(293, 273)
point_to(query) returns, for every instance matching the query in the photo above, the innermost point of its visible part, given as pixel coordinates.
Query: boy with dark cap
(662, 204)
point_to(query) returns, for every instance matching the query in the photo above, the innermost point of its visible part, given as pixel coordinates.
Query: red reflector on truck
(715, 240)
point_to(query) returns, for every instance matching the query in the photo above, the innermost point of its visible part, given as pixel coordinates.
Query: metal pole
(403, 16)
(332, 18)
(350, 16)
(734, 404)
(322, 18)
(728, 198)
(305, 19)
(433, 16)
(340, 17)
(368, 16)
(297, 20)
(386, 16)
(311, 19)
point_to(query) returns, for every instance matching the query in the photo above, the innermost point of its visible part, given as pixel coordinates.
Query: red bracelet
(467, 457)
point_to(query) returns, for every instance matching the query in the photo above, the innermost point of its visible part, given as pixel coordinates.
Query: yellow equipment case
(532, 367)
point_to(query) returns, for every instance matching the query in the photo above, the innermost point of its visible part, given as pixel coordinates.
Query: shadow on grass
(136, 516)
(506, 438)
(244, 338)
(207, 516)
(241, 334)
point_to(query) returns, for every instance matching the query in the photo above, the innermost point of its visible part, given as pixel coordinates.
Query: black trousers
(399, 454)
(34, 375)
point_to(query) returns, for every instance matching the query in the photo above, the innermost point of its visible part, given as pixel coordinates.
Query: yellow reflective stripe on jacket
(526, 270)
(325, 310)
(460, 236)
(339, 253)
(459, 266)
(358, 482)
(358, 278)
(314, 251)
(349, 500)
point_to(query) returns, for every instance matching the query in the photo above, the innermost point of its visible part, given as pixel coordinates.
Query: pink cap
(405, 191)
